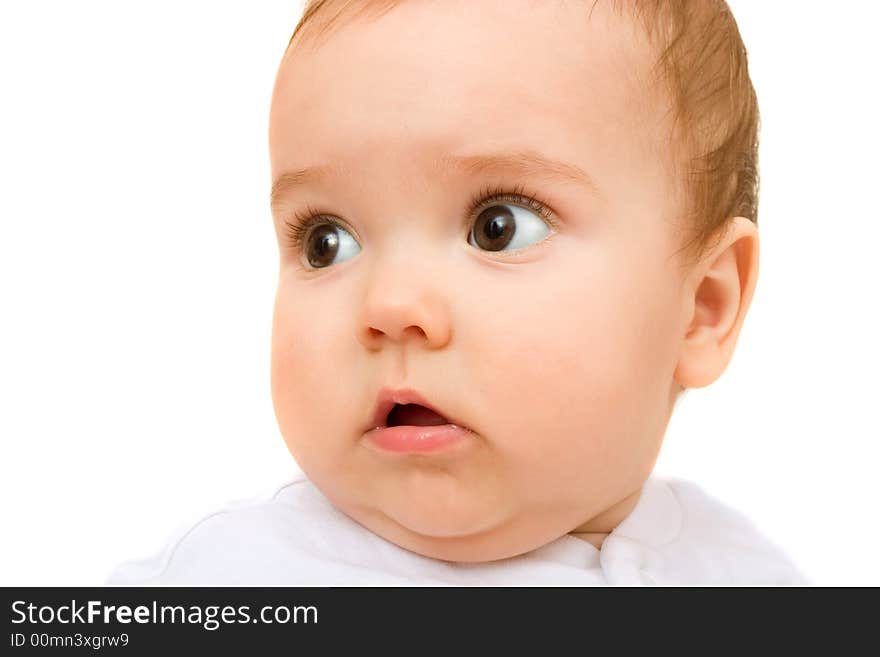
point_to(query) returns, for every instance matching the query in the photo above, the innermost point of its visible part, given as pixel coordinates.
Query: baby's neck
(596, 530)
(590, 537)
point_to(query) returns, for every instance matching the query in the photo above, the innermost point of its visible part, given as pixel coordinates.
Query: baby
(511, 234)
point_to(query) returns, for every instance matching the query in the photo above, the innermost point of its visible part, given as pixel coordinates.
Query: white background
(138, 263)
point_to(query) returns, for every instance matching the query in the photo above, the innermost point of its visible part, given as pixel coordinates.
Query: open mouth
(413, 415)
(405, 422)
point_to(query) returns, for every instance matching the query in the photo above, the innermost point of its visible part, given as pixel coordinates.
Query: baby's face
(550, 330)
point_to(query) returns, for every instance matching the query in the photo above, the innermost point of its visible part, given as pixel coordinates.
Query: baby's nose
(406, 309)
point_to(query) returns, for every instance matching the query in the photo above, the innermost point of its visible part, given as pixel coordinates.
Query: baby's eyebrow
(524, 163)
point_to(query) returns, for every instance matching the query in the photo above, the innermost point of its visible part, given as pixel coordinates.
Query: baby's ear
(719, 290)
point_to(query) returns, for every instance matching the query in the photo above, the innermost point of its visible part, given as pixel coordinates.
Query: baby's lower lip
(413, 439)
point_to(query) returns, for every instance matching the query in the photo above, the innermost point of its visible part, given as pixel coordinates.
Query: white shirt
(675, 535)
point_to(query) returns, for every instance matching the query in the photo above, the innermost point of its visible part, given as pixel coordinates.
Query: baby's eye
(502, 225)
(499, 226)
(326, 244)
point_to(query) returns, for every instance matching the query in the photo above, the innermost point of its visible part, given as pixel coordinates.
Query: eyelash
(305, 221)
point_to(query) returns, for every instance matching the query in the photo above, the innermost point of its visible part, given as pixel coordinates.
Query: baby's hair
(702, 67)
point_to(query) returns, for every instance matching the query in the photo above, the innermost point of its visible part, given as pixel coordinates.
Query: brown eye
(326, 242)
(501, 225)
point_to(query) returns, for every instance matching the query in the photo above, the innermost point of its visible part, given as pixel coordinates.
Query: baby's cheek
(301, 366)
(571, 394)
(538, 384)
(288, 355)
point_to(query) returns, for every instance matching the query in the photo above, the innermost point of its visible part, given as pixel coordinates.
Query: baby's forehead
(601, 32)
(574, 63)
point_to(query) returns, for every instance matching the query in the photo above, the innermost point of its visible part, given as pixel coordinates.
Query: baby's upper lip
(388, 397)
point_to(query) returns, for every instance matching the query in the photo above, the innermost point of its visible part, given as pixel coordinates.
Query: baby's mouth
(406, 422)
(396, 407)
(414, 429)
(414, 415)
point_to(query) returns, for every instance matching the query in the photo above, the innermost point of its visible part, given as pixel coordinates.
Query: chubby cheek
(306, 355)
(549, 404)
(570, 380)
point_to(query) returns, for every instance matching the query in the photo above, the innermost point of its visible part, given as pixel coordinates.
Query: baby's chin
(491, 544)
(477, 533)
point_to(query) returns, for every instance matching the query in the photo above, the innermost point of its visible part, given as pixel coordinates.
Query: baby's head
(539, 215)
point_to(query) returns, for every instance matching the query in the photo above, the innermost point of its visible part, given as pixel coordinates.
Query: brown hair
(702, 68)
